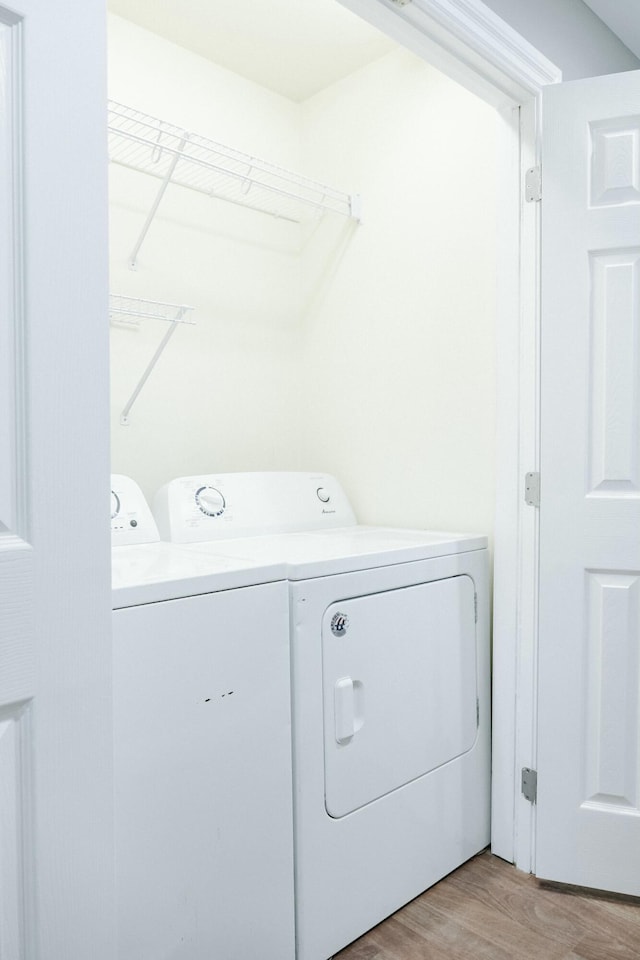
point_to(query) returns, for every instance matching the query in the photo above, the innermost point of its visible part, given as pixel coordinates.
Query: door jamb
(468, 42)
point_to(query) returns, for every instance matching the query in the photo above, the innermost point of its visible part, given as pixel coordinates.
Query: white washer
(204, 847)
(390, 686)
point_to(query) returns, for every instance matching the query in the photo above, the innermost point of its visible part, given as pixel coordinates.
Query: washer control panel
(131, 519)
(228, 505)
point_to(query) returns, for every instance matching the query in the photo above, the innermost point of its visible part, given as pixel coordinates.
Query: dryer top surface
(342, 550)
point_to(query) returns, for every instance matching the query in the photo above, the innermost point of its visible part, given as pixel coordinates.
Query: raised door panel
(612, 743)
(614, 394)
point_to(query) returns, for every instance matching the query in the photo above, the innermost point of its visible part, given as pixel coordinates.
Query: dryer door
(400, 688)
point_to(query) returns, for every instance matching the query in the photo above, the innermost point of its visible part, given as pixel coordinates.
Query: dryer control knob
(210, 501)
(323, 495)
(115, 505)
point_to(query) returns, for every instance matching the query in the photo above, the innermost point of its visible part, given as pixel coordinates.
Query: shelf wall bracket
(148, 309)
(133, 259)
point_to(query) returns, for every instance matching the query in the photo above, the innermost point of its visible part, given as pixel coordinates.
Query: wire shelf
(132, 310)
(173, 155)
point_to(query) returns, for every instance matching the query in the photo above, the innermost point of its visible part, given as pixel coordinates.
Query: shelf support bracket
(124, 416)
(133, 259)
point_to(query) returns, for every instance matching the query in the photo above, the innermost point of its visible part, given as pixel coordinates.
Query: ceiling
(294, 47)
(622, 17)
(298, 47)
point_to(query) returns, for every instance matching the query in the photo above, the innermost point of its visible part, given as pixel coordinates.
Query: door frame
(468, 42)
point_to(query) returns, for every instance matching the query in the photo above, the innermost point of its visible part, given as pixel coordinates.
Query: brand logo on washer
(339, 624)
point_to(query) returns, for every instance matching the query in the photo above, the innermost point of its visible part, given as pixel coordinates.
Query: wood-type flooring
(488, 910)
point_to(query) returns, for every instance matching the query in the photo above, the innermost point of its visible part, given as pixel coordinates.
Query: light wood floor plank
(488, 910)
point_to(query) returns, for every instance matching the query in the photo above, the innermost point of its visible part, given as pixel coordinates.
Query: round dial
(323, 495)
(210, 501)
(115, 504)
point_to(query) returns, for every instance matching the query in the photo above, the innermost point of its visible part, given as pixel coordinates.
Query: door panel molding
(17, 655)
(13, 404)
(16, 867)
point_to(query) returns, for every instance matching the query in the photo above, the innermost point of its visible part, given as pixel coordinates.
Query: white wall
(367, 351)
(569, 34)
(399, 340)
(219, 398)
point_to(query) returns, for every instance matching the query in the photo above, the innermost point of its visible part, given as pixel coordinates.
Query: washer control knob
(115, 505)
(210, 501)
(323, 495)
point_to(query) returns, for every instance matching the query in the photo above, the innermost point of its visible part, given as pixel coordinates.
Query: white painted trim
(469, 43)
(505, 607)
(516, 530)
(525, 552)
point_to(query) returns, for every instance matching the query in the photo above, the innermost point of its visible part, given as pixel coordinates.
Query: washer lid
(152, 572)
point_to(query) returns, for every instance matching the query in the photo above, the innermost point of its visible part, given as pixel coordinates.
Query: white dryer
(204, 847)
(390, 687)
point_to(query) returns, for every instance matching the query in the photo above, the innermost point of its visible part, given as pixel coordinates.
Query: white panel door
(588, 820)
(56, 834)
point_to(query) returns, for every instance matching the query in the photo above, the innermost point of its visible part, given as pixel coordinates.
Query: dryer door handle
(348, 704)
(344, 709)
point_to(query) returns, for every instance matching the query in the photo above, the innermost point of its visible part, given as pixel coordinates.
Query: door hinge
(533, 184)
(530, 784)
(532, 489)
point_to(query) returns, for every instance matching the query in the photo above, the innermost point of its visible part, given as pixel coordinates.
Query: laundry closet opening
(363, 348)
